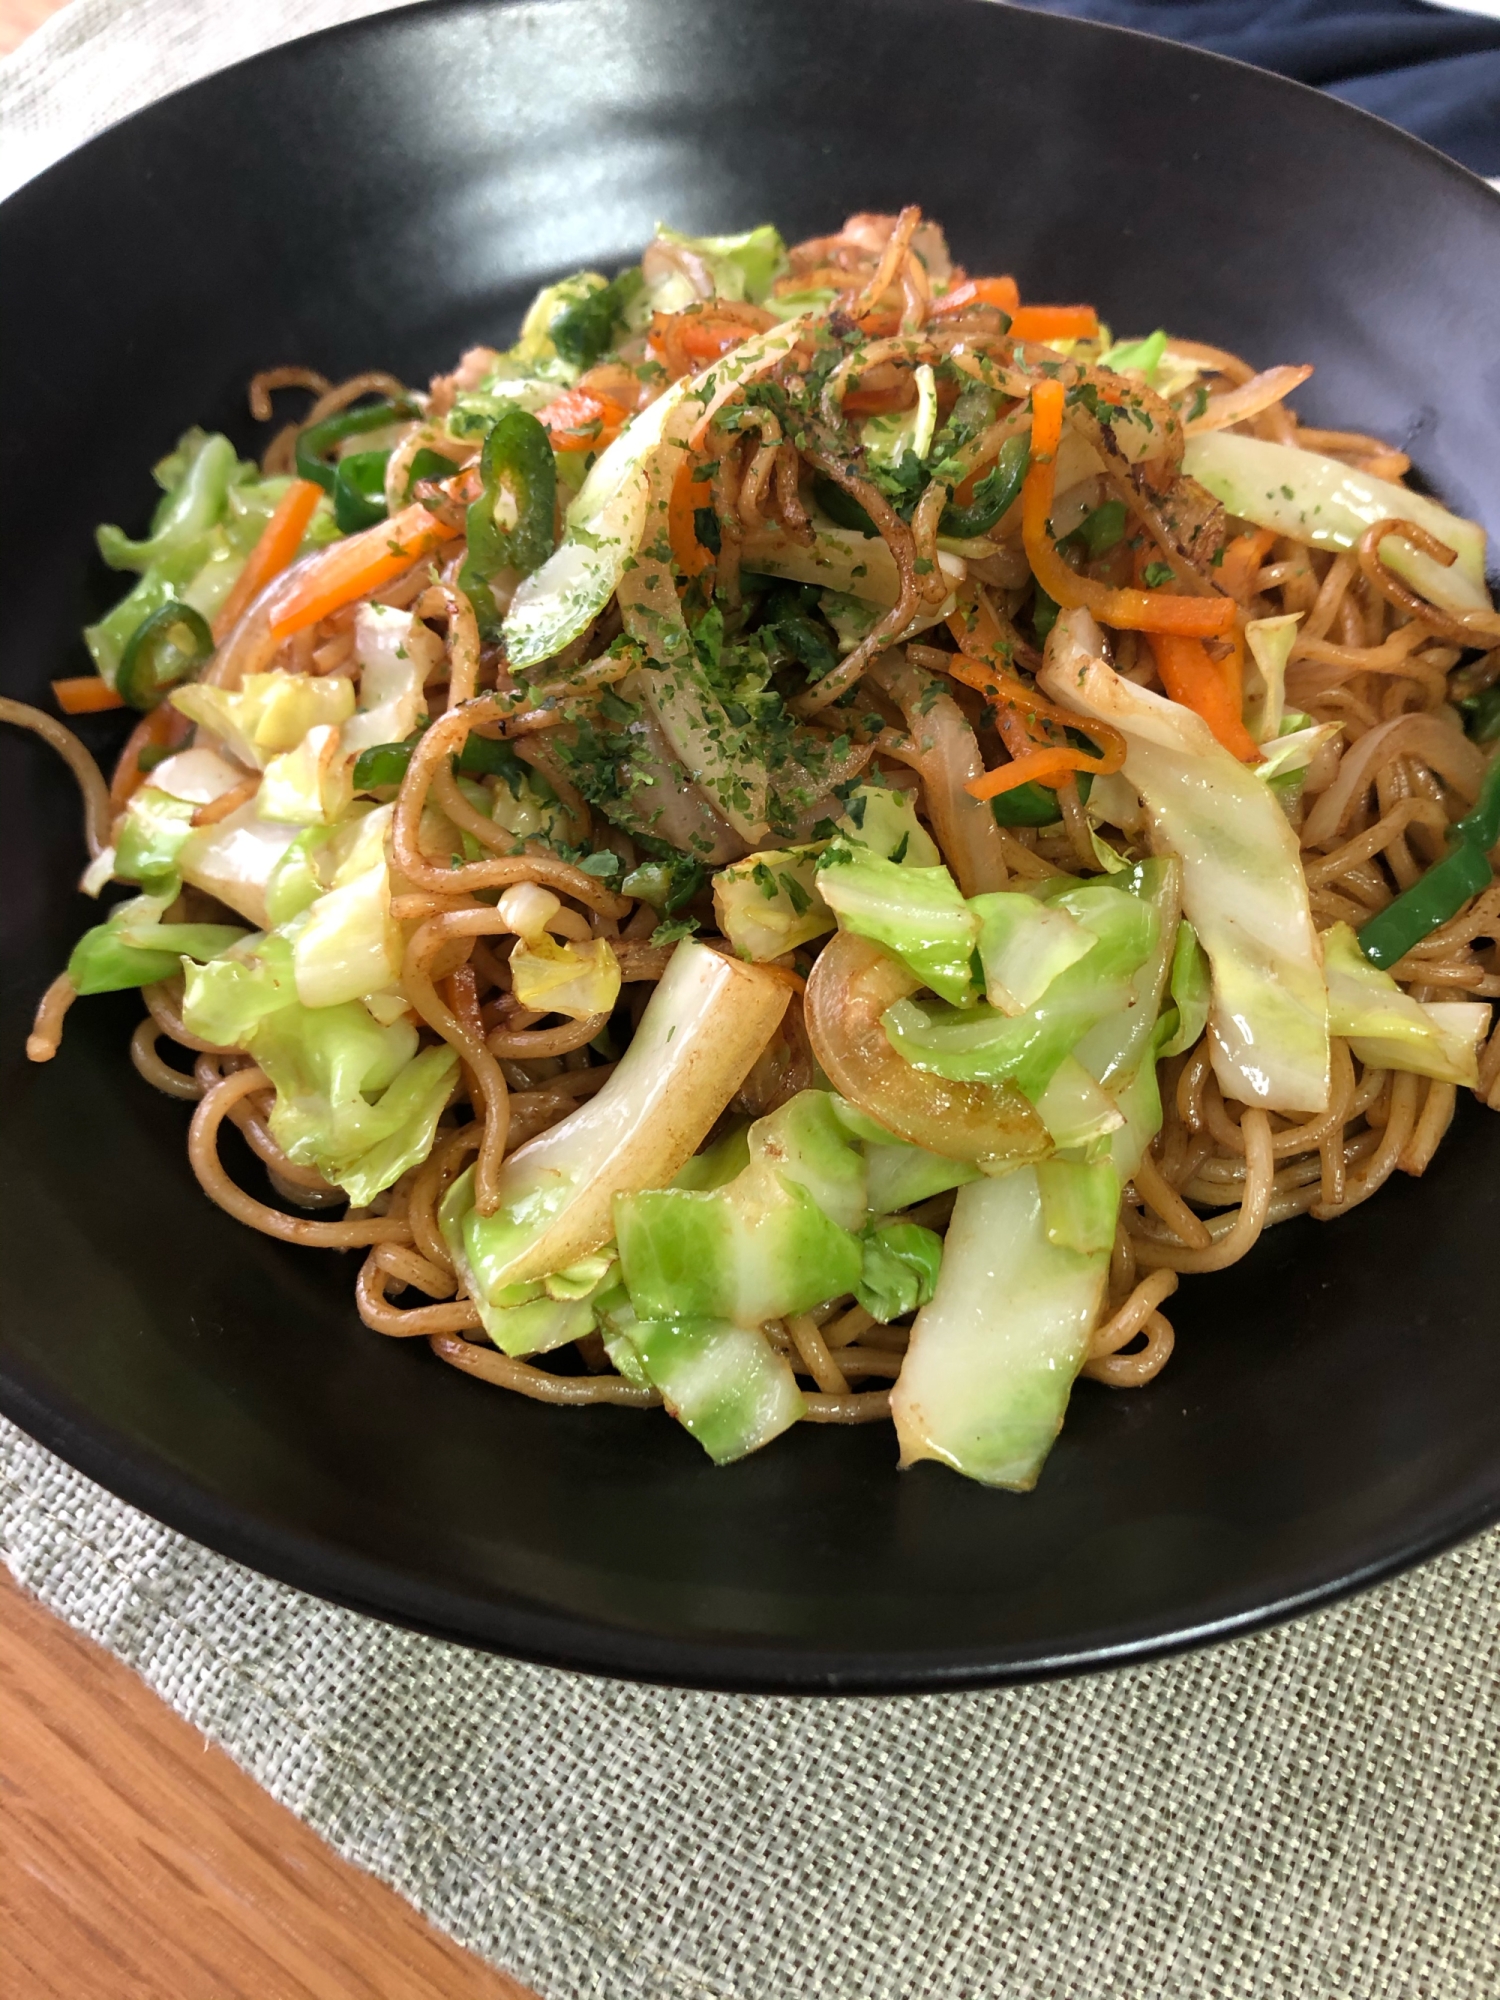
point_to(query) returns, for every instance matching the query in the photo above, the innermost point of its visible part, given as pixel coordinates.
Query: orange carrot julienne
(1243, 558)
(582, 420)
(1054, 323)
(1019, 710)
(1042, 767)
(1199, 683)
(689, 493)
(1126, 610)
(87, 694)
(279, 541)
(999, 292)
(353, 568)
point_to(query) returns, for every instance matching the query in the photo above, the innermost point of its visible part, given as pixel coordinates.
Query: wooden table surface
(139, 1863)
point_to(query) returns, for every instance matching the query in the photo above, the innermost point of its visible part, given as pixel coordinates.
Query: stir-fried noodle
(654, 618)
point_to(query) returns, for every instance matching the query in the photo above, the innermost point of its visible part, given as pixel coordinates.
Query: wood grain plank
(137, 1861)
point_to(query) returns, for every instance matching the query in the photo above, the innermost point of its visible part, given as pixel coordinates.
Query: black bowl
(383, 195)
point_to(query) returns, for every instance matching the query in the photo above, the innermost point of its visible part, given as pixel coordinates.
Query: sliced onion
(848, 992)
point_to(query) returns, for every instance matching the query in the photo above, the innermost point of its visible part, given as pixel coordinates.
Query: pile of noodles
(1377, 800)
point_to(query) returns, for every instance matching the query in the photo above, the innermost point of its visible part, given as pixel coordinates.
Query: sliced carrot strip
(1126, 610)
(999, 292)
(689, 493)
(86, 695)
(1201, 684)
(353, 568)
(1042, 767)
(1054, 323)
(1242, 558)
(582, 420)
(1021, 713)
(279, 541)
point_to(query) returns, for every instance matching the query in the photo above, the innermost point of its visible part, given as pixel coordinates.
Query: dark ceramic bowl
(386, 194)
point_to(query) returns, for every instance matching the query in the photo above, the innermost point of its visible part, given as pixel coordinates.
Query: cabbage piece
(1116, 1044)
(739, 267)
(559, 977)
(898, 1175)
(235, 858)
(133, 947)
(312, 785)
(347, 943)
(543, 1314)
(1270, 642)
(199, 472)
(268, 712)
(1319, 500)
(769, 903)
(1080, 1204)
(719, 1163)
(1191, 989)
(918, 913)
(1243, 886)
(776, 1239)
(1388, 1028)
(327, 1064)
(900, 1270)
(198, 775)
(992, 1359)
(603, 529)
(725, 1384)
(884, 819)
(396, 654)
(152, 835)
(226, 1000)
(980, 1044)
(705, 1024)
(1074, 1108)
(1023, 946)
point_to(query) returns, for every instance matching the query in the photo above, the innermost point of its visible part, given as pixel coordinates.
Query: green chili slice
(519, 474)
(1442, 892)
(315, 447)
(161, 653)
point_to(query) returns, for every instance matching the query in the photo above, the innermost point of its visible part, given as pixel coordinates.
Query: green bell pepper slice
(993, 495)
(315, 447)
(1442, 892)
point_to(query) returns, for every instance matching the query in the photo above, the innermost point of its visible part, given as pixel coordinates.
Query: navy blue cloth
(1435, 74)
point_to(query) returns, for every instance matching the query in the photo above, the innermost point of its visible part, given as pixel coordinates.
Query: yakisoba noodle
(831, 643)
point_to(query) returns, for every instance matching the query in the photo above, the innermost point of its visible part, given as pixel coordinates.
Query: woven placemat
(1306, 1815)
(1312, 1814)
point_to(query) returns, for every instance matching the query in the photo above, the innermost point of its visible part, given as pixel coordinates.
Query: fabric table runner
(1313, 1812)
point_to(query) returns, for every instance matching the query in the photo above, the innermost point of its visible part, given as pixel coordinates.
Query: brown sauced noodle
(1370, 655)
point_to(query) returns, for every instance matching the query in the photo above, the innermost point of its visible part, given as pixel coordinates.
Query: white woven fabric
(1308, 1815)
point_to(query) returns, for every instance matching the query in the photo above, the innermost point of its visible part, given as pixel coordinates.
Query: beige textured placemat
(1313, 1814)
